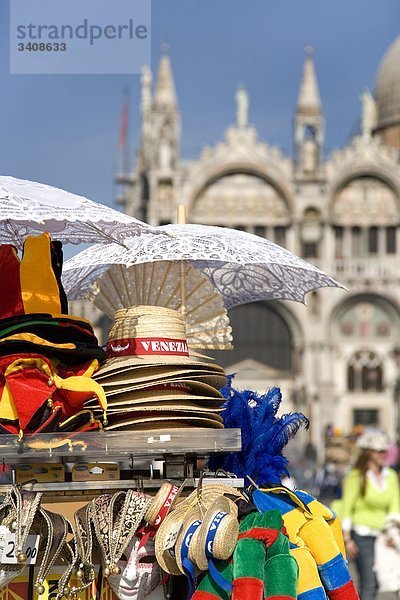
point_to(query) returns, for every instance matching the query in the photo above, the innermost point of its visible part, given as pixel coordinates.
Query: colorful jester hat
(264, 435)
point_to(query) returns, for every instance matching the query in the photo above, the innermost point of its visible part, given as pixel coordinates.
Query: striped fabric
(314, 527)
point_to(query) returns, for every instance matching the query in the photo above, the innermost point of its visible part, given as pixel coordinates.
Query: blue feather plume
(264, 435)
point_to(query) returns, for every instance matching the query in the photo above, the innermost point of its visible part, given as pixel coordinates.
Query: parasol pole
(182, 221)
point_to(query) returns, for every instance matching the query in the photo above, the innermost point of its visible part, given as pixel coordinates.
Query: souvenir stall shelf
(116, 443)
(61, 450)
(177, 449)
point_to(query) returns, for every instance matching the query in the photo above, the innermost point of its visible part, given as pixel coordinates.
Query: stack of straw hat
(150, 378)
(199, 529)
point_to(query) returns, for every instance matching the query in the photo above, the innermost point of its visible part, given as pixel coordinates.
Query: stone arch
(377, 174)
(209, 174)
(382, 172)
(267, 332)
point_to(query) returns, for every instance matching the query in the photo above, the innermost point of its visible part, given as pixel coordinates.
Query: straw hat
(167, 391)
(135, 378)
(148, 335)
(217, 535)
(165, 422)
(189, 386)
(156, 409)
(207, 493)
(165, 539)
(184, 546)
(170, 528)
(163, 501)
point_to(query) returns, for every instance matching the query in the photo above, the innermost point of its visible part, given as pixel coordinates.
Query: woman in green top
(370, 494)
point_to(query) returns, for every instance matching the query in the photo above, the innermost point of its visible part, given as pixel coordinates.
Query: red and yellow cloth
(29, 383)
(47, 357)
(29, 285)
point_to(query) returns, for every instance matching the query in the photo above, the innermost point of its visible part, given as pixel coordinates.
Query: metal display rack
(110, 444)
(177, 448)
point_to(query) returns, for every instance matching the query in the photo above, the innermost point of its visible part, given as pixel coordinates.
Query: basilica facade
(338, 358)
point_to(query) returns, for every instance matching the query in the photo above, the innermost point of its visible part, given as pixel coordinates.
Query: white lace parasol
(29, 208)
(242, 267)
(159, 284)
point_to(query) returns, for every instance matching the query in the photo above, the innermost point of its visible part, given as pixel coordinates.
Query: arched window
(310, 133)
(311, 232)
(259, 333)
(366, 218)
(364, 372)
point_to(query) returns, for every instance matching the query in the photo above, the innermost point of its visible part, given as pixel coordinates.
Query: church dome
(387, 89)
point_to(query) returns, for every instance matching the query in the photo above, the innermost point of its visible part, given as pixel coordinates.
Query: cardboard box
(95, 472)
(40, 472)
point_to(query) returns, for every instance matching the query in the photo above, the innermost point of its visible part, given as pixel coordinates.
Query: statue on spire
(368, 114)
(242, 107)
(146, 83)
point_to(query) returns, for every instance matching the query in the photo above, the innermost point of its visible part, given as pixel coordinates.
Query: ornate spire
(242, 107)
(309, 102)
(165, 95)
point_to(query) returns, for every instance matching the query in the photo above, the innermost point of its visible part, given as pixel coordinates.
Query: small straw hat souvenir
(217, 535)
(166, 537)
(184, 547)
(169, 530)
(162, 503)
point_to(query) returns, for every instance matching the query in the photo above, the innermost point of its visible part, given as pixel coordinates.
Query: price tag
(9, 551)
(172, 536)
(236, 482)
(166, 437)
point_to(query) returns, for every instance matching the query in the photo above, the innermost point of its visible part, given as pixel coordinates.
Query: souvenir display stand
(104, 451)
(175, 450)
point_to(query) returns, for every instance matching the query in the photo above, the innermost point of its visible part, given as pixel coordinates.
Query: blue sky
(63, 130)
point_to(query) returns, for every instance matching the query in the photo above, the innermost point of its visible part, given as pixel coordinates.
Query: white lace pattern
(29, 208)
(242, 267)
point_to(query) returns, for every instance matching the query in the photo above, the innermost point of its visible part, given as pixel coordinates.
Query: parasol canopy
(241, 267)
(30, 208)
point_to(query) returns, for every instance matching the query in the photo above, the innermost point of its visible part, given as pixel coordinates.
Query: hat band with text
(146, 347)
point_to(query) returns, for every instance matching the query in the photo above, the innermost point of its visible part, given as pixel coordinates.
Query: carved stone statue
(368, 113)
(242, 107)
(165, 148)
